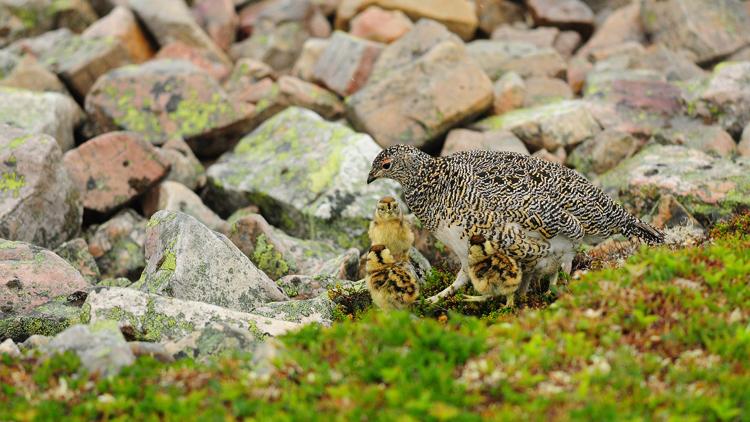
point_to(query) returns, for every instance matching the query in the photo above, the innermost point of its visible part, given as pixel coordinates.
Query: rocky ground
(183, 206)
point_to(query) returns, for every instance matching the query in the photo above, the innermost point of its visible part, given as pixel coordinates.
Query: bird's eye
(386, 165)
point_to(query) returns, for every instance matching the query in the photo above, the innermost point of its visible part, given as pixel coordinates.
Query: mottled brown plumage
(392, 284)
(492, 272)
(389, 228)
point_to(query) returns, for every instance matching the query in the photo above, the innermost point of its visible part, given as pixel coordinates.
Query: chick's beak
(372, 176)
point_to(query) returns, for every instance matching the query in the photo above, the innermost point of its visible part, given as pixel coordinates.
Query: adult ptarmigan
(535, 211)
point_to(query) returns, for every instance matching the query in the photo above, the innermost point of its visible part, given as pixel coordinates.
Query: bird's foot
(553, 281)
(461, 280)
(510, 301)
(481, 298)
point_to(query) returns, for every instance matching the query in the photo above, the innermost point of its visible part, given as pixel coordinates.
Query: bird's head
(397, 162)
(388, 209)
(378, 256)
(479, 247)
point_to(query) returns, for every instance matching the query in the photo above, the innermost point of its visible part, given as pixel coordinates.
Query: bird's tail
(643, 231)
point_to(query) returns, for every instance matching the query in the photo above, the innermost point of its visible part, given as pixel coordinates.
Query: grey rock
(35, 341)
(346, 62)
(9, 348)
(726, 97)
(318, 310)
(305, 286)
(184, 166)
(76, 252)
(215, 339)
(39, 203)
(603, 152)
(187, 260)
(101, 347)
(47, 319)
(117, 245)
(494, 140)
(499, 57)
(173, 196)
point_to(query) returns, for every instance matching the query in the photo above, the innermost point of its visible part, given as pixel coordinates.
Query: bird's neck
(418, 186)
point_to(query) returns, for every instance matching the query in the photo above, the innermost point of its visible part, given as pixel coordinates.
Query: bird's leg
(510, 300)
(461, 280)
(553, 280)
(481, 298)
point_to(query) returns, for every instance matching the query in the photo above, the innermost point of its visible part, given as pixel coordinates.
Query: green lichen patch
(11, 182)
(269, 260)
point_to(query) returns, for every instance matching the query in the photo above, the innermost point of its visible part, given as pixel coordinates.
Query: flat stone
(120, 23)
(550, 126)
(509, 93)
(165, 98)
(173, 196)
(420, 102)
(76, 253)
(346, 63)
(296, 92)
(603, 152)
(151, 317)
(201, 58)
(112, 169)
(29, 74)
(39, 203)
(187, 260)
(565, 14)
(540, 37)
(379, 25)
(543, 90)
(101, 348)
(173, 21)
(622, 25)
(468, 140)
(31, 276)
(692, 134)
(117, 245)
(459, 16)
(710, 188)
(498, 57)
(279, 46)
(49, 112)
(184, 166)
(218, 19)
(711, 30)
(324, 199)
(305, 63)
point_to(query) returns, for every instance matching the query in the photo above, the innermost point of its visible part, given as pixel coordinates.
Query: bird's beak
(371, 177)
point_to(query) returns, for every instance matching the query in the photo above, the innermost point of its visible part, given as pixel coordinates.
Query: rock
(543, 90)
(41, 44)
(35, 341)
(305, 63)
(49, 112)
(420, 102)
(376, 24)
(603, 152)
(576, 74)
(557, 156)
(296, 92)
(115, 282)
(324, 199)
(80, 61)
(173, 196)
(710, 188)
(306, 13)
(150, 317)
(31, 276)
(76, 252)
(218, 19)
(279, 46)
(692, 134)
(48, 319)
(248, 16)
(30, 18)
(565, 14)
(494, 13)
(509, 93)
(153, 350)
(622, 25)
(467, 140)
(112, 169)
(31, 75)
(8, 61)
(172, 21)
(305, 286)
(425, 35)
(567, 42)
(9, 348)
(541, 37)
(121, 24)
(346, 63)
(101, 347)
(39, 203)
(710, 30)
(247, 72)
(670, 214)
(550, 126)
(318, 310)
(675, 66)
(202, 59)
(498, 57)
(165, 98)
(186, 260)
(184, 166)
(117, 245)
(726, 97)
(743, 147)
(215, 339)
(458, 16)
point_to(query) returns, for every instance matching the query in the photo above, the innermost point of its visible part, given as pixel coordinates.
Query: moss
(11, 182)
(268, 259)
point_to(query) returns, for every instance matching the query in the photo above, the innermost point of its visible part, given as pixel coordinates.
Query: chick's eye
(386, 165)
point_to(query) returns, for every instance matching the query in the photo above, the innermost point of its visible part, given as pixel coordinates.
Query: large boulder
(31, 276)
(418, 103)
(39, 203)
(322, 196)
(711, 30)
(709, 187)
(48, 112)
(187, 260)
(151, 317)
(112, 169)
(165, 98)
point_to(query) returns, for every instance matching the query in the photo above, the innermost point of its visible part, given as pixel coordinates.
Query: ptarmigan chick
(389, 228)
(392, 284)
(492, 273)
